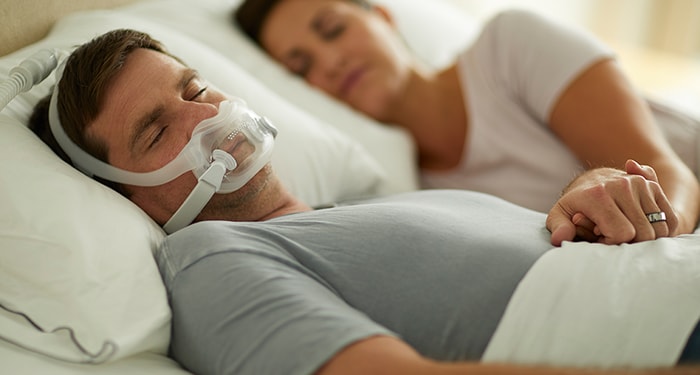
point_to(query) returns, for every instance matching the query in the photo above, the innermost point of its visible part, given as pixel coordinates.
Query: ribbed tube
(10, 88)
(28, 73)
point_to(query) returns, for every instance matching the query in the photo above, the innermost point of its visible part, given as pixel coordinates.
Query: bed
(79, 290)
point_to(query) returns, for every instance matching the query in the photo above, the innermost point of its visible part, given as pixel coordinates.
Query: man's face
(149, 113)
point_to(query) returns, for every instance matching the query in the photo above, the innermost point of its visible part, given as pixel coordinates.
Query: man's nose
(194, 113)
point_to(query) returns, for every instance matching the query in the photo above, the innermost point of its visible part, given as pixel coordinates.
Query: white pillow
(82, 252)
(17, 361)
(435, 29)
(75, 254)
(76, 257)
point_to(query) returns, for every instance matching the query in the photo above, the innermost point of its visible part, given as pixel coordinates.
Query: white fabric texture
(210, 23)
(17, 361)
(391, 148)
(512, 76)
(67, 264)
(73, 253)
(630, 305)
(77, 255)
(104, 283)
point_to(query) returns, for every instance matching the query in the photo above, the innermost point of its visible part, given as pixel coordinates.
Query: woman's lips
(351, 80)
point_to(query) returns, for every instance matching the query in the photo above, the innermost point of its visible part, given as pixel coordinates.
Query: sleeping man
(261, 283)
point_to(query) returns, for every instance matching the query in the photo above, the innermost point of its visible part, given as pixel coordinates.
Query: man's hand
(610, 206)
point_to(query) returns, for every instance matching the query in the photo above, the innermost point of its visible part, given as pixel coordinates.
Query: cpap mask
(224, 153)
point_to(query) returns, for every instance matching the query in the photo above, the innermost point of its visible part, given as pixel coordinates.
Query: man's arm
(389, 355)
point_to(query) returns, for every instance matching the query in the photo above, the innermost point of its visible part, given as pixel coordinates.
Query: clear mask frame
(209, 154)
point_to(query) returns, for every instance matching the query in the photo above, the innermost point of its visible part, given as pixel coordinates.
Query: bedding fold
(595, 305)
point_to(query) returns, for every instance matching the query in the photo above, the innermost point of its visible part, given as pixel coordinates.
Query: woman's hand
(611, 206)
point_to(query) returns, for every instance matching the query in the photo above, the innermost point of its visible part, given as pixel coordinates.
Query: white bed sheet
(632, 305)
(191, 29)
(54, 219)
(17, 361)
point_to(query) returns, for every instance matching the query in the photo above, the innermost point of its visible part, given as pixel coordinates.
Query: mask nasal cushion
(238, 131)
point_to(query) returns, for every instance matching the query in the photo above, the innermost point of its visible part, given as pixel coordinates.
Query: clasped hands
(610, 206)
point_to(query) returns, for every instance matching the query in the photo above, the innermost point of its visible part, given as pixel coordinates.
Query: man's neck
(292, 206)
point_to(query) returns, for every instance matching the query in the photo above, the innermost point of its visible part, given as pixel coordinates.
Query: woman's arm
(603, 120)
(389, 355)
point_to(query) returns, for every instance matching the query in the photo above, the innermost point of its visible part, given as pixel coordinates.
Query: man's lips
(237, 145)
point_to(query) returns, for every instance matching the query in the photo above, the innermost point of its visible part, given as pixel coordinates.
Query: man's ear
(384, 13)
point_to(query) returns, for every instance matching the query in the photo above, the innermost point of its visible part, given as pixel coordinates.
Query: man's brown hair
(88, 72)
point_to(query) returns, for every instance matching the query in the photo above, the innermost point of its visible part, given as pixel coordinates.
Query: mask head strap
(207, 185)
(90, 165)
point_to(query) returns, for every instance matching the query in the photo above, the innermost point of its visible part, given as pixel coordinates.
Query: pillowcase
(77, 277)
(449, 32)
(76, 257)
(435, 30)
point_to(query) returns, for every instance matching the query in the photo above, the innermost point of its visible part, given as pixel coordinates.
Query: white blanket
(604, 306)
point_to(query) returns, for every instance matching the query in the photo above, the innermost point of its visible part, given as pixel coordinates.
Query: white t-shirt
(513, 75)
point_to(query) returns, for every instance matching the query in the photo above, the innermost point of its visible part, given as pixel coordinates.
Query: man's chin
(242, 204)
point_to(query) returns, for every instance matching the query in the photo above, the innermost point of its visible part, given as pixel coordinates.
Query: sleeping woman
(532, 112)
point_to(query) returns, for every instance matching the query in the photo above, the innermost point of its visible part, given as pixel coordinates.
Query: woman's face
(351, 53)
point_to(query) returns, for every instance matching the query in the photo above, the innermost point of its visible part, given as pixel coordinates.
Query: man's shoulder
(200, 240)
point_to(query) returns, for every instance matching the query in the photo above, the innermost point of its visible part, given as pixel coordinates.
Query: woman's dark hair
(89, 71)
(251, 15)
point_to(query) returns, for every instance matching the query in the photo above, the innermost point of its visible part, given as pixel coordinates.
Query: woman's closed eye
(328, 25)
(299, 63)
(332, 31)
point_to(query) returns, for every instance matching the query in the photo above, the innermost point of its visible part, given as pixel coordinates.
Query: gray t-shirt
(436, 268)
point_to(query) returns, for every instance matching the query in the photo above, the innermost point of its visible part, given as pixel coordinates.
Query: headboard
(24, 22)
